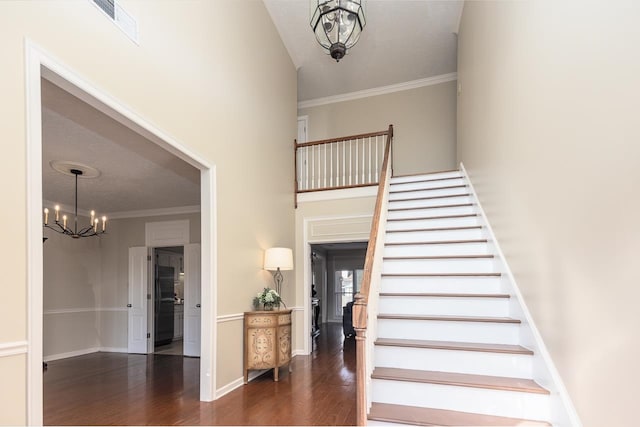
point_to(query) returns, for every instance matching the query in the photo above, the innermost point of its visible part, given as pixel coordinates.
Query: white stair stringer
(445, 308)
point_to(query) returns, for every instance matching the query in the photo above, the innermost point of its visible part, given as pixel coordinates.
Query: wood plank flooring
(123, 389)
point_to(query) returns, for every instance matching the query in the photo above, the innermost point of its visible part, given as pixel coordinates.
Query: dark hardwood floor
(123, 389)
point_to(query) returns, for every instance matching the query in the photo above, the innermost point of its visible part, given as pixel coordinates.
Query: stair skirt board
(503, 403)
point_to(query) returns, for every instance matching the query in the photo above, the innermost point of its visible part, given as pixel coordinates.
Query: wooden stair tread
(448, 187)
(454, 345)
(413, 230)
(447, 318)
(441, 295)
(428, 257)
(447, 196)
(461, 380)
(441, 274)
(460, 205)
(426, 218)
(437, 242)
(414, 415)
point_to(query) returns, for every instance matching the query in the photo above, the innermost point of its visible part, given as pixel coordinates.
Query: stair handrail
(365, 305)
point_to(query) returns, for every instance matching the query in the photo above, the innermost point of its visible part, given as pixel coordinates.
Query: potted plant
(268, 298)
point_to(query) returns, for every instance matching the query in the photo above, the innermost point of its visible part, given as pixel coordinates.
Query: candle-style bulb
(95, 225)
(64, 221)
(104, 223)
(93, 215)
(46, 216)
(57, 208)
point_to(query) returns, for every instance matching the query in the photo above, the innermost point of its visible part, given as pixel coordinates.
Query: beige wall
(424, 121)
(71, 293)
(548, 129)
(226, 93)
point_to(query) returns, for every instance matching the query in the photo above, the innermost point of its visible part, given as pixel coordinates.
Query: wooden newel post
(360, 326)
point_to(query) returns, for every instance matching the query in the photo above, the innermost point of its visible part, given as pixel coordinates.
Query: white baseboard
(298, 352)
(71, 354)
(226, 389)
(114, 349)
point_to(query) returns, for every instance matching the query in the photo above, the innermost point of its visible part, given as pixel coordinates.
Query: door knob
(129, 305)
(197, 305)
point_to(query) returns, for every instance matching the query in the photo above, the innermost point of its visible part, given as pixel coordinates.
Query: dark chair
(347, 320)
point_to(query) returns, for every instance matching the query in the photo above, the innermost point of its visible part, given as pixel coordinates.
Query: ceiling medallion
(337, 24)
(93, 229)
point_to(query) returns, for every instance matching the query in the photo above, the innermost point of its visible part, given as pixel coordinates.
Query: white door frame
(41, 64)
(307, 241)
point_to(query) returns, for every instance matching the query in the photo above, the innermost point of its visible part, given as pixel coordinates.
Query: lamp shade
(275, 258)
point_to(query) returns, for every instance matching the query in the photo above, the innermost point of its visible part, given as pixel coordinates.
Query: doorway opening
(336, 275)
(43, 67)
(168, 300)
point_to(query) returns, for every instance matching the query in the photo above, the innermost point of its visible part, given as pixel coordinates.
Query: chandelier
(93, 229)
(337, 24)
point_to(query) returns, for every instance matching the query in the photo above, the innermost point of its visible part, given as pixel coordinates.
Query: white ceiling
(403, 40)
(136, 174)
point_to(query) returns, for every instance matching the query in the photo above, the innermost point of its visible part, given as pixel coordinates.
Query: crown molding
(178, 210)
(382, 90)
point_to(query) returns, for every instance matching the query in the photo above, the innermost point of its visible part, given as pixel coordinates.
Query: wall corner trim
(382, 90)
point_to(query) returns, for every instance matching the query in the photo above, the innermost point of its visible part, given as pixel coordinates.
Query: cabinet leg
(275, 374)
(290, 370)
(246, 376)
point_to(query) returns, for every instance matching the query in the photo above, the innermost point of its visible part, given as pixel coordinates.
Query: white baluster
(377, 171)
(331, 165)
(350, 162)
(325, 166)
(344, 163)
(369, 163)
(357, 163)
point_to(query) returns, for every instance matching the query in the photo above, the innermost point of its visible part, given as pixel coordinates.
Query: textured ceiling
(136, 174)
(403, 40)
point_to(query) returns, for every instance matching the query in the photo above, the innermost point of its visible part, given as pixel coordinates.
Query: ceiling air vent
(119, 16)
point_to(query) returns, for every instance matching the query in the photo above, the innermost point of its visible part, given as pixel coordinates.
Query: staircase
(447, 351)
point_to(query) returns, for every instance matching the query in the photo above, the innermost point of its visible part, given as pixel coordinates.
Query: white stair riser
(454, 265)
(451, 285)
(466, 399)
(431, 212)
(453, 306)
(436, 192)
(434, 236)
(443, 249)
(435, 330)
(422, 203)
(464, 362)
(418, 185)
(433, 223)
(426, 176)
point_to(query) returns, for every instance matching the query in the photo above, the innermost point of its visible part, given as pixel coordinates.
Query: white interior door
(137, 306)
(192, 300)
(302, 129)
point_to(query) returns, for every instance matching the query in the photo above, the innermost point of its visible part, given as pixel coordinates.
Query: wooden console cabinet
(267, 341)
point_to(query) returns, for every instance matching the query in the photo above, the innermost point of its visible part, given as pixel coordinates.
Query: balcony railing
(339, 163)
